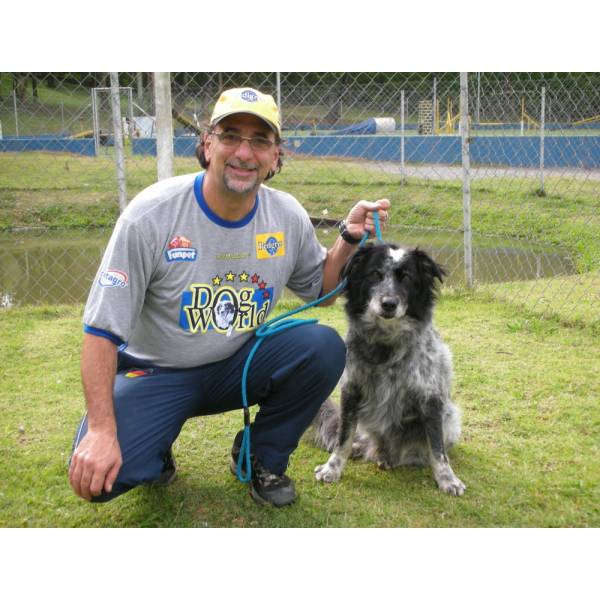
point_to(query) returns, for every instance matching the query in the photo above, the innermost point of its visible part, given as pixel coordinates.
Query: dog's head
(388, 282)
(225, 308)
(224, 314)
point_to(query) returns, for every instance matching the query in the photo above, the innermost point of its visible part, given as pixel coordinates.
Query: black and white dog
(396, 386)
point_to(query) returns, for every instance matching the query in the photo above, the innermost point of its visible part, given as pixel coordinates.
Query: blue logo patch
(272, 245)
(180, 254)
(249, 96)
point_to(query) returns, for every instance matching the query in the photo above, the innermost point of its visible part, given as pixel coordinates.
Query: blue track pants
(291, 375)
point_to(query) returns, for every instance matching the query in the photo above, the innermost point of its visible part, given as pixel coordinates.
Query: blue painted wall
(44, 144)
(513, 151)
(182, 146)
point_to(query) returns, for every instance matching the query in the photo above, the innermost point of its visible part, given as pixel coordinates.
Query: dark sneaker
(266, 488)
(169, 471)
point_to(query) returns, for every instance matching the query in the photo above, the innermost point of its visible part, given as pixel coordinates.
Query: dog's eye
(403, 276)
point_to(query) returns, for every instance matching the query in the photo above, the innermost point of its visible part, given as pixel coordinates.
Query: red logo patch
(138, 373)
(180, 242)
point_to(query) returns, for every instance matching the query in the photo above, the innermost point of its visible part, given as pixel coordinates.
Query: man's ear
(207, 138)
(275, 159)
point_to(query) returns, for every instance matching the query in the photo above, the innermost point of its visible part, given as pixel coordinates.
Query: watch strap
(345, 234)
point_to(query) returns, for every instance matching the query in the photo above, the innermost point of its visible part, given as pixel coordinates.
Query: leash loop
(273, 327)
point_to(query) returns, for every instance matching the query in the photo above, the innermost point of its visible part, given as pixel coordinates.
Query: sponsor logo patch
(113, 278)
(270, 245)
(249, 96)
(180, 249)
(138, 373)
(218, 306)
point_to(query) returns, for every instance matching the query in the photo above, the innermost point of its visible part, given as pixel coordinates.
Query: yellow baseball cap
(250, 101)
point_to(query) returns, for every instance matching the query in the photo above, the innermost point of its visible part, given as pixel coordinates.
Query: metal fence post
(434, 107)
(279, 96)
(16, 115)
(466, 165)
(402, 175)
(115, 98)
(139, 80)
(164, 125)
(478, 105)
(542, 133)
(95, 123)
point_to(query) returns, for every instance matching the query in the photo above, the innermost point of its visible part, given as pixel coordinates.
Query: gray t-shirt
(183, 287)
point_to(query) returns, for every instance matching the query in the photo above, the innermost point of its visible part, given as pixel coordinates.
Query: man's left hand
(360, 218)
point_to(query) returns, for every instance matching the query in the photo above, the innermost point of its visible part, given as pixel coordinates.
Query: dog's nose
(389, 304)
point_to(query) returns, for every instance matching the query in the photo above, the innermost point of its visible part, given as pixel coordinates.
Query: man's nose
(244, 150)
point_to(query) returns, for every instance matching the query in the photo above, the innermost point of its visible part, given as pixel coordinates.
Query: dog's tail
(323, 432)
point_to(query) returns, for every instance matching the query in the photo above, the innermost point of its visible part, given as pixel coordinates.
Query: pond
(55, 267)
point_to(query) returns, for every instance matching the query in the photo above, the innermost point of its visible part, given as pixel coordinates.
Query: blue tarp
(368, 127)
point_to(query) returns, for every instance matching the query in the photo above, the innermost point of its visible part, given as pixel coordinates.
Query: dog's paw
(358, 450)
(327, 473)
(453, 486)
(384, 465)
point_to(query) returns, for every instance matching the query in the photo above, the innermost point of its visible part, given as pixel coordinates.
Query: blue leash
(273, 327)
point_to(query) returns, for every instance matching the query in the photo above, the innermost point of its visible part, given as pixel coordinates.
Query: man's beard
(237, 186)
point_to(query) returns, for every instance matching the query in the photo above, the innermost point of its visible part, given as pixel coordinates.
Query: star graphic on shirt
(266, 294)
(216, 280)
(243, 276)
(230, 276)
(262, 285)
(255, 278)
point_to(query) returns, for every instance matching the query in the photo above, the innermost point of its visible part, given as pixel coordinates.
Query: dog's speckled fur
(396, 386)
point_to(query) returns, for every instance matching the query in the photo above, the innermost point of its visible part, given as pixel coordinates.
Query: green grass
(45, 114)
(574, 299)
(41, 190)
(57, 190)
(44, 190)
(527, 386)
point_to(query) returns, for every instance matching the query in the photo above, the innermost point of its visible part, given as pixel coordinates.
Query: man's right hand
(95, 464)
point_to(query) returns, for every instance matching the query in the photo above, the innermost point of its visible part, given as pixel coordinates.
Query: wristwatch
(346, 235)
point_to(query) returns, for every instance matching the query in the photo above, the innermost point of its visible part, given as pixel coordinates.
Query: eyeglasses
(233, 140)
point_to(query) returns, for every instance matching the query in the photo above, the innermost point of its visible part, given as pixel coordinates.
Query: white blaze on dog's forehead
(397, 255)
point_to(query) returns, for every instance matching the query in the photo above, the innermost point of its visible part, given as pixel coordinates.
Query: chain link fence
(525, 191)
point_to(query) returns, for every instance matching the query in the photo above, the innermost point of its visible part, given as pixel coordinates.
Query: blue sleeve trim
(115, 339)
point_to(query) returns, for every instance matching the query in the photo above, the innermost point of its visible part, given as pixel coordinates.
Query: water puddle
(59, 266)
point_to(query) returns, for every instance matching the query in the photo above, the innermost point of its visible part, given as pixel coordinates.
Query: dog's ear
(428, 266)
(354, 263)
